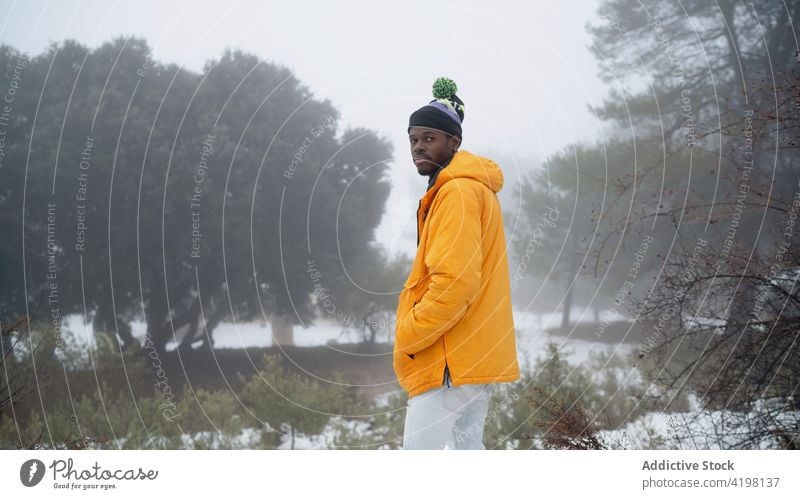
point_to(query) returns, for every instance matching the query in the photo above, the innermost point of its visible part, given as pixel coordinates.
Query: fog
(524, 69)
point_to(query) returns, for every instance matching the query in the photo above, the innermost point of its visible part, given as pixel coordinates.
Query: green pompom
(444, 88)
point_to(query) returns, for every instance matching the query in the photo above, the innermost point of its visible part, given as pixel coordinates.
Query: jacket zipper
(446, 369)
(417, 220)
(419, 207)
(411, 354)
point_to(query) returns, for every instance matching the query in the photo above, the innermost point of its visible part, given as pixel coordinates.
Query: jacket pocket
(404, 368)
(416, 285)
(410, 294)
(413, 278)
(413, 290)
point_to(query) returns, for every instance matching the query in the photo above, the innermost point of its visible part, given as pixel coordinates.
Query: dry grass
(564, 426)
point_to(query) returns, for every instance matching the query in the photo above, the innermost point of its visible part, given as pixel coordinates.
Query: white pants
(447, 417)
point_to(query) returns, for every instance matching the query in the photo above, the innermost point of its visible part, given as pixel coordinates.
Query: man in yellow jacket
(454, 337)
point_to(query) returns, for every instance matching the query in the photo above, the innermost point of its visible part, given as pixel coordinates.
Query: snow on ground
(249, 438)
(659, 430)
(682, 431)
(324, 331)
(229, 335)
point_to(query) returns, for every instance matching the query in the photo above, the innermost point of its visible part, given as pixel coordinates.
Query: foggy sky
(523, 68)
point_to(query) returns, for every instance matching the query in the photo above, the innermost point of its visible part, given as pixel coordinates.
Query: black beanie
(445, 112)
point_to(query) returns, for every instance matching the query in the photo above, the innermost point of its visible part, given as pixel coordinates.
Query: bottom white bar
(411, 474)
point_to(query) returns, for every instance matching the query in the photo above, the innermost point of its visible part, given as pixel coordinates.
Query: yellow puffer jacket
(455, 307)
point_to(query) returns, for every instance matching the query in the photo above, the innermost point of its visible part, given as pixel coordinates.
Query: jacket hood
(468, 165)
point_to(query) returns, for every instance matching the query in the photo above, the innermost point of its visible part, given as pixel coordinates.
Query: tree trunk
(366, 323)
(736, 59)
(741, 307)
(567, 308)
(282, 330)
(105, 322)
(213, 322)
(7, 343)
(157, 327)
(191, 333)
